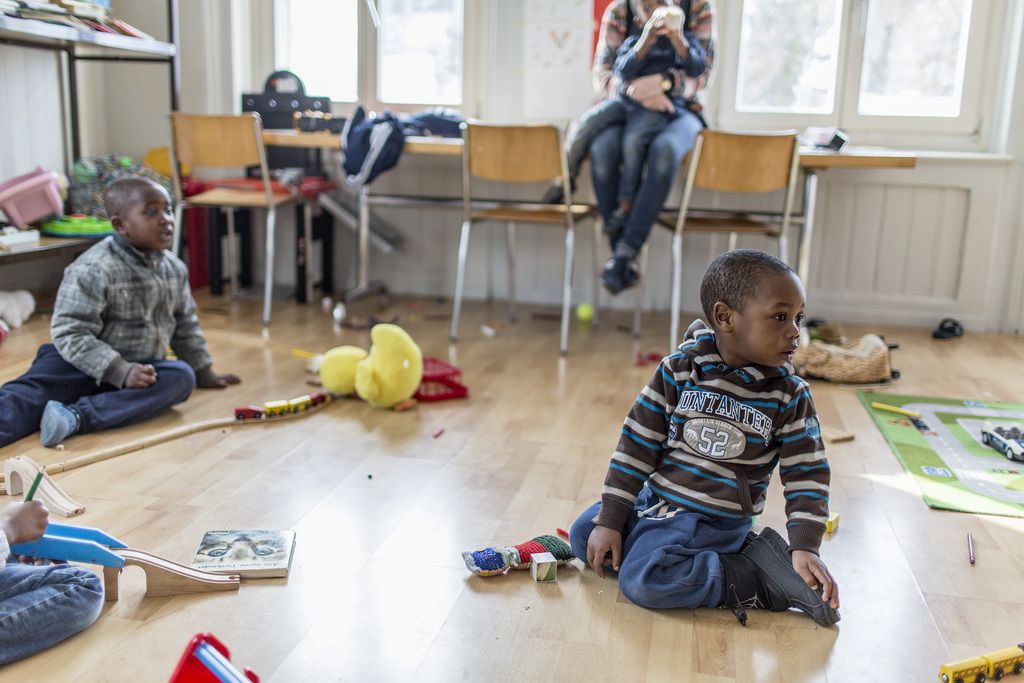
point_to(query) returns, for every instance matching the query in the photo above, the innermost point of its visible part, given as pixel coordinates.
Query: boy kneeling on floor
(698, 449)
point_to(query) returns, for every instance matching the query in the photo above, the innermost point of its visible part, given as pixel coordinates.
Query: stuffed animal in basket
(16, 307)
(388, 375)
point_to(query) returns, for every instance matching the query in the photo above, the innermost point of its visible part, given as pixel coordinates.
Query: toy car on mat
(1007, 440)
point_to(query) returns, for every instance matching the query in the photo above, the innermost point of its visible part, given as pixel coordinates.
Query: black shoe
(620, 273)
(615, 224)
(554, 194)
(762, 577)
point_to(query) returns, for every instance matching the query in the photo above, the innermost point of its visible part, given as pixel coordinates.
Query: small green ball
(584, 312)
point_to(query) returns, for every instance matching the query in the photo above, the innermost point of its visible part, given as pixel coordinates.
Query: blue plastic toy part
(74, 544)
(219, 665)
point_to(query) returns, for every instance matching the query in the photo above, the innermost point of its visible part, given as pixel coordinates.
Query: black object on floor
(948, 329)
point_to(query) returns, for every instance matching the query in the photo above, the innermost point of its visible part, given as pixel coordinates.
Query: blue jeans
(668, 561)
(610, 112)
(51, 378)
(642, 124)
(664, 155)
(41, 606)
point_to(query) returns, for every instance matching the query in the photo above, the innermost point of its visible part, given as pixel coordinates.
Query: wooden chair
(228, 141)
(516, 154)
(737, 163)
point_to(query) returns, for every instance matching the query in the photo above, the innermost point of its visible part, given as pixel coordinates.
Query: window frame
(368, 56)
(968, 130)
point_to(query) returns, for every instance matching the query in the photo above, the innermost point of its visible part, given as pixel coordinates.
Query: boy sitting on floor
(39, 605)
(698, 449)
(119, 306)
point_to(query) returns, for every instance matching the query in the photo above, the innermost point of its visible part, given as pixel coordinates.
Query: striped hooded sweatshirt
(706, 437)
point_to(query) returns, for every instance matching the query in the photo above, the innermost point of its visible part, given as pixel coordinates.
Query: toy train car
(282, 407)
(993, 665)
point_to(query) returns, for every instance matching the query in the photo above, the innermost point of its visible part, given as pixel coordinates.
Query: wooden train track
(165, 436)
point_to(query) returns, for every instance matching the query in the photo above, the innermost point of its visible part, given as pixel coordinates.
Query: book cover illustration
(248, 553)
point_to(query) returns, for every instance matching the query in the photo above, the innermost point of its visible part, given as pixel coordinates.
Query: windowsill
(964, 157)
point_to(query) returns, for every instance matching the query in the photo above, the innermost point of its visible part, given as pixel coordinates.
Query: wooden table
(812, 161)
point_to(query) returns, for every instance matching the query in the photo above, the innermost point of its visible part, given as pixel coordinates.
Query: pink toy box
(29, 197)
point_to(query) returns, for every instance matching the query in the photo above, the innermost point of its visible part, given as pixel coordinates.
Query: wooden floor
(383, 511)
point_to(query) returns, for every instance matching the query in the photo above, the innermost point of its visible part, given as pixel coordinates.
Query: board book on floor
(250, 553)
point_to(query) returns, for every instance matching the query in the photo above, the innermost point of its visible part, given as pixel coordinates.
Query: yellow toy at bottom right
(993, 665)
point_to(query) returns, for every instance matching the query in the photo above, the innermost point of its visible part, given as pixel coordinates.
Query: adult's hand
(648, 92)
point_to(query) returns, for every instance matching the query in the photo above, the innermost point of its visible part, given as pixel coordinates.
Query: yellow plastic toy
(991, 666)
(338, 369)
(393, 370)
(388, 375)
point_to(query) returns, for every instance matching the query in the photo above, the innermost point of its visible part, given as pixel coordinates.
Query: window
(318, 41)
(421, 51)
(804, 38)
(914, 57)
(888, 70)
(413, 58)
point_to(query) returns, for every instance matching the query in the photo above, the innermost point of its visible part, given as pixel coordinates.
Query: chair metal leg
(733, 240)
(570, 243)
(307, 240)
(595, 285)
(460, 281)
(179, 211)
(510, 250)
(268, 270)
(640, 291)
(232, 253)
(783, 248)
(677, 291)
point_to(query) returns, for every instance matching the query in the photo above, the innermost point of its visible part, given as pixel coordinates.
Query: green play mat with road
(943, 451)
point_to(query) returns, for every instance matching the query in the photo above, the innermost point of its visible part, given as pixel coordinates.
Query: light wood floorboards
(378, 590)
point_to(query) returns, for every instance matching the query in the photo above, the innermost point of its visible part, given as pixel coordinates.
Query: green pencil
(34, 486)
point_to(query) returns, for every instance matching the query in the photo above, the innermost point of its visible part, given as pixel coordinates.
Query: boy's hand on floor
(814, 573)
(208, 379)
(140, 376)
(601, 542)
(24, 522)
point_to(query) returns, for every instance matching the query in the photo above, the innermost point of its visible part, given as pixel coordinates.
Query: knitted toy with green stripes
(500, 559)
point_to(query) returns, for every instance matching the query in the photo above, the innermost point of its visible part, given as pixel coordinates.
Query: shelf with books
(56, 35)
(87, 33)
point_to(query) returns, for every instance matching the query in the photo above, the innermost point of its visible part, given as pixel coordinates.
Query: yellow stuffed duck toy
(386, 376)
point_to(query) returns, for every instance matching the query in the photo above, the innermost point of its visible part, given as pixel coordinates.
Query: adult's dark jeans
(666, 152)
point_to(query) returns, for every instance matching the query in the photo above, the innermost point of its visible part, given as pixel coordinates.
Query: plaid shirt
(700, 28)
(118, 305)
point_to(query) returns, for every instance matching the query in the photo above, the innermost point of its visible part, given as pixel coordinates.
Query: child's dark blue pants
(51, 378)
(670, 560)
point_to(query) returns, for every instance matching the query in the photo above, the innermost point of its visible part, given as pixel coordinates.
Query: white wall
(30, 131)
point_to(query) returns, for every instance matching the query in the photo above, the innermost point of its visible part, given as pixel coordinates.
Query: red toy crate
(207, 660)
(441, 381)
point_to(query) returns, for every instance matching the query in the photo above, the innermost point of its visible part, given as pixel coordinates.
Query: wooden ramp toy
(92, 546)
(19, 472)
(164, 577)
